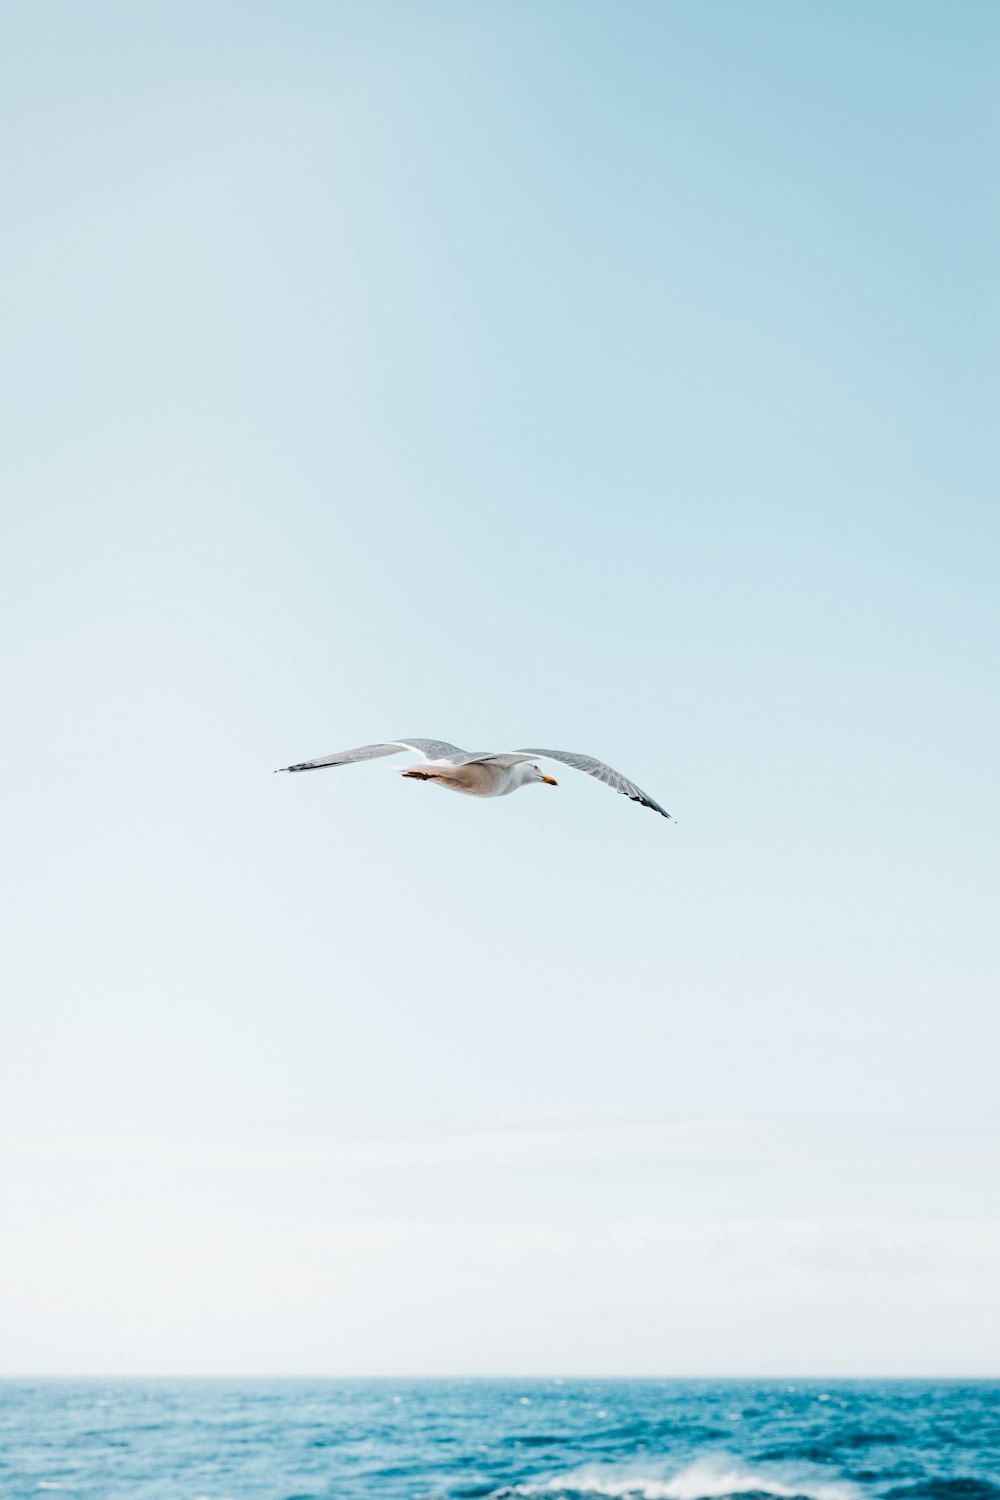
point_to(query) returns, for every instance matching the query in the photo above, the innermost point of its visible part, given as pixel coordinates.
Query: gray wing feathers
(432, 749)
(429, 749)
(612, 778)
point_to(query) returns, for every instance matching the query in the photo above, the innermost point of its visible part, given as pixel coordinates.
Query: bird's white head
(531, 772)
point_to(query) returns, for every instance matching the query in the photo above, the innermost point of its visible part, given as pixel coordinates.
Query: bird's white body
(480, 778)
(483, 774)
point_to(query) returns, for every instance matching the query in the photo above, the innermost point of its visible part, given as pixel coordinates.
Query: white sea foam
(705, 1479)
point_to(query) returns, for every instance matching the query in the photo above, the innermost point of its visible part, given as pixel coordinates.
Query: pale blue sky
(610, 376)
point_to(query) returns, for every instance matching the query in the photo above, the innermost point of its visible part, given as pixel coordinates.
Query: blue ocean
(443, 1440)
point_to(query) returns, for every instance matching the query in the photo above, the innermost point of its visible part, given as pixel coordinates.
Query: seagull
(480, 774)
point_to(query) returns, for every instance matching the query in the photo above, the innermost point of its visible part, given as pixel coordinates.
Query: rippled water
(433, 1440)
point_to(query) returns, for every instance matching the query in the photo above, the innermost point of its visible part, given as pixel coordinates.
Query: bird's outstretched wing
(429, 749)
(612, 778)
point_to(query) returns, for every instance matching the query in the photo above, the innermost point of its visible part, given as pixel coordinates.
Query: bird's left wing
(610, 777)
(429, 749)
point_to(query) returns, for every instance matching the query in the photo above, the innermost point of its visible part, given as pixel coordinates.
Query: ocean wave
(705, 1479)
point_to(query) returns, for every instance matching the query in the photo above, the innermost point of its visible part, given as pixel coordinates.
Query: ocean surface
(434, 1439)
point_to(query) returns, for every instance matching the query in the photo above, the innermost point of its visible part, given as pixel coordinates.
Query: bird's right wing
(601, 772)
(429, 749)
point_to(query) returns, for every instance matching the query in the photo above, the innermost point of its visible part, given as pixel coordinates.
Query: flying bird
(481, 774)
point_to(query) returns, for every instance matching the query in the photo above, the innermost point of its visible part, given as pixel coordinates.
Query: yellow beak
(550, 781)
